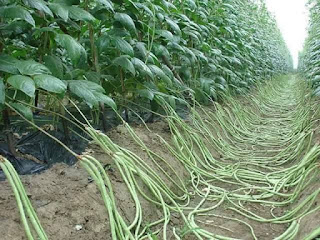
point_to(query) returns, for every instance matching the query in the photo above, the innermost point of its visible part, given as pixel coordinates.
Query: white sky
(292, 18)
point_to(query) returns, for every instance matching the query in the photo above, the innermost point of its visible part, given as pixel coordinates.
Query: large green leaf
(2, 92)
(92, 86)
(176, 46)
(192, 35)
(80, 14)
(167, 71)
(124, 62)
(165, 34)
(160, 74)
(23, 110)
(174, 26)
(39, 5)
(141, 50)
(8, 64)
(54, 64)
(169, 5)
(60, 10)
(144, 7)
(191, 55)
(68, 2)
(172, 101)
(126, 21)
(93, 77)
(106, 100)
(74, 49)
(15, 28)
(191, 4)
(22, 83)
(123, 46)
(50, 83)
(107, 3)
(146, 93)
(161, 51)
(142, 68)
(80, 89)
(88, 91)
(31, 67)
(15, 11)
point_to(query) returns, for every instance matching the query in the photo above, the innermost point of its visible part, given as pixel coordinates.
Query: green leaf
(160, 74)
(192, 4)
(165, 34)
(126, 21)
(23, 110)
(50, 83)
(92, 86)
(124, 62)
(172, 101)
(31, 67)
(160, 16)
(74, 49)
(200, 55)
(106, 100)
(80, 14)
(174, 26)
(167, 71)
(93, 77)
(206, 84)
(141, 50)
(176, 46)
(220, 80)
(60, 10)
(212, 67)
(142, 67)
(8, 64)
(107, 3)
(88, 91)
(54, 64)
(15, 28)
(123, 46)
(192, 35)
(39, 5)
(191, 55)
(146, 93)
(80, 89)
(68, 2)
(228, 6)
(17, 12)
(161, 50)
(220, 87)
(2, 92)
(22, 83)
(145, 8)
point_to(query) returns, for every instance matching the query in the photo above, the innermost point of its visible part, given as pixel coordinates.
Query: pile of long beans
(266, 152)
(27, 213)
(257, 149)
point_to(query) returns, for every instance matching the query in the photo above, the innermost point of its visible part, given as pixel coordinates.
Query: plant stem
(124, 95)
(65, 126)
(95, 60)
(8, 131)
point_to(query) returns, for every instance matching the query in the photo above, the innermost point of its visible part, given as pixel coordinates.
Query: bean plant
(309, 64)
(109, 53)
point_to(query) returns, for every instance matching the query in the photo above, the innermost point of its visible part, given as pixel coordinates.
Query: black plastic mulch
(47, 150)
